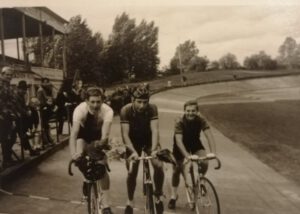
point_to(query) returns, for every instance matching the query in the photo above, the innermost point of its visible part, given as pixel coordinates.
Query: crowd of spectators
(27, 118)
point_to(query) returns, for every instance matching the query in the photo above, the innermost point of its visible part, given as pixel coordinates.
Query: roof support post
(2, 35)
(64, 56)
(41, 42)
(53, 48)
(24, 41)
(18, 48)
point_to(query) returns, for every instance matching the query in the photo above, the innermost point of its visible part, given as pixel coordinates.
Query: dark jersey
(190, 131)
(139, 124)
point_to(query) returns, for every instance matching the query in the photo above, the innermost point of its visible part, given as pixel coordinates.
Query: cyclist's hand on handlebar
(133, 157)
(154, 152)
(210, 155)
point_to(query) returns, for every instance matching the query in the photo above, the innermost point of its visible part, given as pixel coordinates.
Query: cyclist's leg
(158, 176)
(177, 169)
(203, 164)
(81, 146)
(131, 180)
(105, 185)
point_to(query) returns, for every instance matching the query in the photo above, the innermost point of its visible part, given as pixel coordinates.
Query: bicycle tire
(92, 200)
(206, 200)
(150, 204)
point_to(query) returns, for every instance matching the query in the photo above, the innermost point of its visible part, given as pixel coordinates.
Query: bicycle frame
(147, 184)
(93, 187)
(200, 183)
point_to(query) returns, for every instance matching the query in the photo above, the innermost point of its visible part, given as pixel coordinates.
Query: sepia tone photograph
(135, 106)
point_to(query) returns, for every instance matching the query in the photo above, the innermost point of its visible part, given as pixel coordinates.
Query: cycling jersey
(139, 125)
(190, 131)
(91, 124)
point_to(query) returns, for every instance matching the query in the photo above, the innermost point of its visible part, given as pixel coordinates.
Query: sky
(218, 27)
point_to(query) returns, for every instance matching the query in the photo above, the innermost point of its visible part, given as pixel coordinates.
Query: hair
(6, 68)
(191, 103)
(93, 92)
(141, 92)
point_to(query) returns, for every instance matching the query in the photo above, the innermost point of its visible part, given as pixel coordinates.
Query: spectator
(22, 122)
(8, 115)
(33, 122)
(62, 102)
(78, 91)
(45, 96)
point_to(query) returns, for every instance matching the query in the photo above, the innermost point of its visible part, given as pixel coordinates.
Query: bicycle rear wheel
(93, 200)
(206, 200)
(150, 204)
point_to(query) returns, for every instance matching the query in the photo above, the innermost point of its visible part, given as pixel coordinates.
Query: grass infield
(269, 130)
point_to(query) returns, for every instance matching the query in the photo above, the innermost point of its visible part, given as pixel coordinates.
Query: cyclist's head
(94, 98)
(141, 92)
(191, 109)
(141, 97)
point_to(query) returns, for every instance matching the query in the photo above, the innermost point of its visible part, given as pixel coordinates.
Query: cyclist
(139, 128)
(187, 144)
(92, 121)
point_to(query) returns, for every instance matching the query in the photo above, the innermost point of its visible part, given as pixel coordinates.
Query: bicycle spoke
(207, 201)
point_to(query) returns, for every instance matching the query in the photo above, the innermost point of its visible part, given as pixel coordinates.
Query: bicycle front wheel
(206, 200)
(150, 205)
(93, 200)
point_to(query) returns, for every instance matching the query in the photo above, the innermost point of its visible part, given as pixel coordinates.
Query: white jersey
(82, 111)
(91, 124)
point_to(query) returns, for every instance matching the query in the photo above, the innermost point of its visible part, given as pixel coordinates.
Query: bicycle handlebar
(99, 147)
(208, 158)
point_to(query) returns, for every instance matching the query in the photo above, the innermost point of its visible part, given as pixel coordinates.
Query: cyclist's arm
(179, 143)
(105, 131)
(106, 124)
(126, 138)
(211, 140)
(73, 137)
(155, 135)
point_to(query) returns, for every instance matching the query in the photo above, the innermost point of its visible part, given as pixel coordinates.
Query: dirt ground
(270, 130)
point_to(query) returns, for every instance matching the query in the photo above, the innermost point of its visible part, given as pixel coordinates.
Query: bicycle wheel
(150, 205)
(93, 201)
(206, 200)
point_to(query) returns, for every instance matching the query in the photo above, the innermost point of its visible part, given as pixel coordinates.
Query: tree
(260, 61)
(229, 61)
(83, 50)
(183, 55)
(287, 53)
(118, 50)
(131, 49)
(146, 50)
(198, 64)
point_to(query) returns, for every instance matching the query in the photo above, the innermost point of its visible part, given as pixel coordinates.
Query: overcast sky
(241, 27)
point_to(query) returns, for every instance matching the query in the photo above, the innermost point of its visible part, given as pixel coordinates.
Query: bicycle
(148, 190)
(203, 197)
(93, 169)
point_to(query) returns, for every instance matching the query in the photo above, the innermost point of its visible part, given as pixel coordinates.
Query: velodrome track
(245, 185)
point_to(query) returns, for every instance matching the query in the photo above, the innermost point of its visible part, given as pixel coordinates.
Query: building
(21, 23)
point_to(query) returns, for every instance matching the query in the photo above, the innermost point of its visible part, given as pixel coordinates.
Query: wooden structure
(26, 22)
